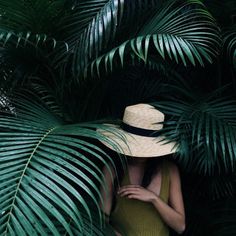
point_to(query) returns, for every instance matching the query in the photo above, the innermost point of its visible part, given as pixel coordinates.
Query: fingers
(128, 189)
(134, 196)
(126, 192)
(136, 192)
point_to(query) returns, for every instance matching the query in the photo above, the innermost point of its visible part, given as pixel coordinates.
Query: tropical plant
(64, 64)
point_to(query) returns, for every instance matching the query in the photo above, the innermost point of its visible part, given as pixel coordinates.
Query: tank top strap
(165, 182)
(165, 185)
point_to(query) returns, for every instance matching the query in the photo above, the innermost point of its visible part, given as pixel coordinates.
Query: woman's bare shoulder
(171, 164)
(173, 168)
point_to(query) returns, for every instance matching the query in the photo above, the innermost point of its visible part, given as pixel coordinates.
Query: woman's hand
(137, 192)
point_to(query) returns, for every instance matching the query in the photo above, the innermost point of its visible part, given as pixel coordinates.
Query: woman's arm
(107, 191)
(107, 194)
(172, 214)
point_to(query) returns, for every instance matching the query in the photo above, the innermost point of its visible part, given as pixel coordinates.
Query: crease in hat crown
(143, 116)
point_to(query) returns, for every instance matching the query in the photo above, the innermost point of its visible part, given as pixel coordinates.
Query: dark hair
(151, 169)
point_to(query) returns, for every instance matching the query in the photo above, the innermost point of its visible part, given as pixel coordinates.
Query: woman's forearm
(171, 217)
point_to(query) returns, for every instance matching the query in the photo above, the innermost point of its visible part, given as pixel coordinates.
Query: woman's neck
(138, 164)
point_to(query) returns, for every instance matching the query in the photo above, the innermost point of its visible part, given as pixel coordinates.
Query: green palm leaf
(103, 27)
(205, 130)
(100, 31)
(81, 16)
(30, 22)
(184, 32)
(49, 174)
(75, 21)
(230, 44)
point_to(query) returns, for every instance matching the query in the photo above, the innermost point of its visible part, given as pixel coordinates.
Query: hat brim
(135, 145)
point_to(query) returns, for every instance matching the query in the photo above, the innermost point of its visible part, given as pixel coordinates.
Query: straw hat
(137, 135)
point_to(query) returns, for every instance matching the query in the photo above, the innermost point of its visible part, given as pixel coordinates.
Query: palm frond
(98, 33)
(49, 173)
(102, 29)
(82, 14)
(47, 95)
(29, 22)
(205, 130)
(184, 32)
(230, 44)
(94, 17)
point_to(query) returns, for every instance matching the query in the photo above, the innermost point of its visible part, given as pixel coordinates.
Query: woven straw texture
(142, 116)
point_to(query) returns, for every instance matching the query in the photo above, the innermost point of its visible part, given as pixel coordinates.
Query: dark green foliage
(86, 60)
(44, 172)
(206, 131)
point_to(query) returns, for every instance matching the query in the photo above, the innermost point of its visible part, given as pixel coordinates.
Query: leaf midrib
(23, 173)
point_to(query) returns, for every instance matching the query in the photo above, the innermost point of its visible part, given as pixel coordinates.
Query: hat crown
(143, 116)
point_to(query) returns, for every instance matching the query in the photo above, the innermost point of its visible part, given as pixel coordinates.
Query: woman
(149, 199)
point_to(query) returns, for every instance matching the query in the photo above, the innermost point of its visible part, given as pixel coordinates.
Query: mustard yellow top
(132, 217)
